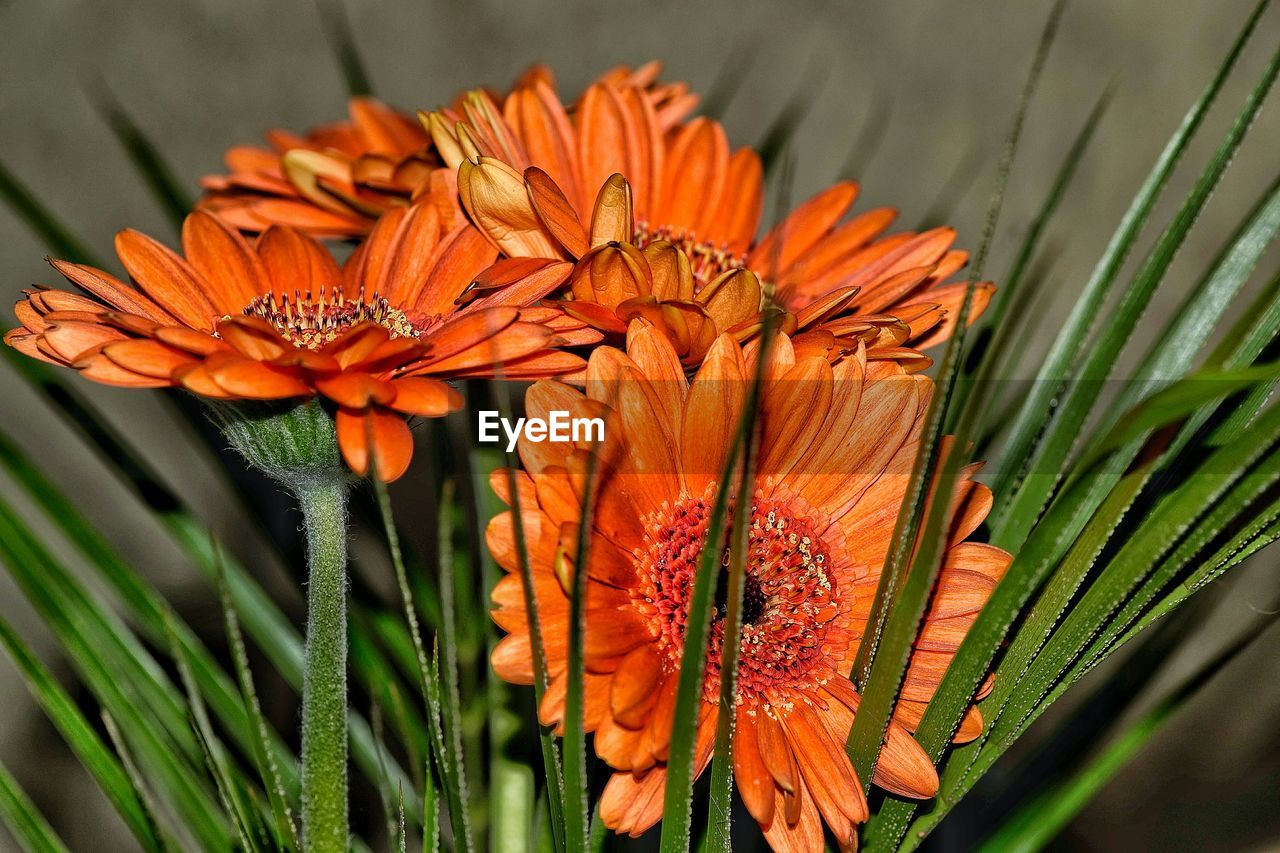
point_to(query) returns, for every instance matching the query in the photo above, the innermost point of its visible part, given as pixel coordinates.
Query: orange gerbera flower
(836, 452)
(278, 319)
(335, 180)
(533, 189)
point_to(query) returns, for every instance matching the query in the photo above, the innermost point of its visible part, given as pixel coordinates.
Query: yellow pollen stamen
(311, 321)
(708, 260)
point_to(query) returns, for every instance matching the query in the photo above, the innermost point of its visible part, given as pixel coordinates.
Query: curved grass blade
(1176, 348)
(80, 736)
(144, 605)
(1063, 427)
(1039, 556)
(1001, 301)
(448, 759)
(114, 680)
(143, 154)
(1178, 518)
(29, 828)
(1194, 321)
(264, 739)
(915, 557)
(1179, 400)
(1040, 821)
(229, 782)
(1030, 420)
(342, 39)
(265, 623)
(38, 218)
(131, 770)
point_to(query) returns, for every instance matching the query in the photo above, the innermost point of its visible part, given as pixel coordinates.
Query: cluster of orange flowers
(606, 247)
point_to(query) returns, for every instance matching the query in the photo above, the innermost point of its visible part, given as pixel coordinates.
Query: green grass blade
(140, 789)
(915, 557)
(718, 836)
(1048, 458)
(265, 741)
(677, 809)
(1177, 347)
(1030, 419)
(1222, 514)
(146, 609)
(1040, 821)
(342, 39)
(27, 826)
(1011, 285)
(80, 736)
(678, 794)
(53, 233)
(118, 683)
(448, 760)
(447, 672)
(576, 821)
(226, 777)
(262, 618)
(1150, 550)
(1179, 400)
(550, 755)
(1038, 557)
(145, 157)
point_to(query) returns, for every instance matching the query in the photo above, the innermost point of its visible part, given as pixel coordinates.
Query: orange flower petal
(356, 390)
(147, 357)
(295, 263)
(555, 211)
(245, 377)
(226, 262)
(375, 436)
(169, 280)
(429, 398)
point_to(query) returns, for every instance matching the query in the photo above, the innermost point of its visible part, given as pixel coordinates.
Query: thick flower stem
(324, 685)
(297, 445)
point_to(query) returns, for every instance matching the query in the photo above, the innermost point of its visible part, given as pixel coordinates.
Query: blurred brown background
(943, 77)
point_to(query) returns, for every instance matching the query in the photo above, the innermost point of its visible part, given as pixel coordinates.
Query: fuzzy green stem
(324, 685)
(297, 445)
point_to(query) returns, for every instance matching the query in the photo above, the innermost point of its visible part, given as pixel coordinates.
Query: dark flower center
(788, 597)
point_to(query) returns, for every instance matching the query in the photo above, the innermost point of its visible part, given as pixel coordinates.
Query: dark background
(942, 77)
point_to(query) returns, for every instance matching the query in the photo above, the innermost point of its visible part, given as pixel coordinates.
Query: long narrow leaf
(28, 827)
(80, 736)
(1067, 346)
(576, 822)
(919, 544)
(145, 157)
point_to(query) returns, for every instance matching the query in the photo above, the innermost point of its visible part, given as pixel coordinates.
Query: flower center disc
(306, 321)
(709, 260)
(788, 599)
